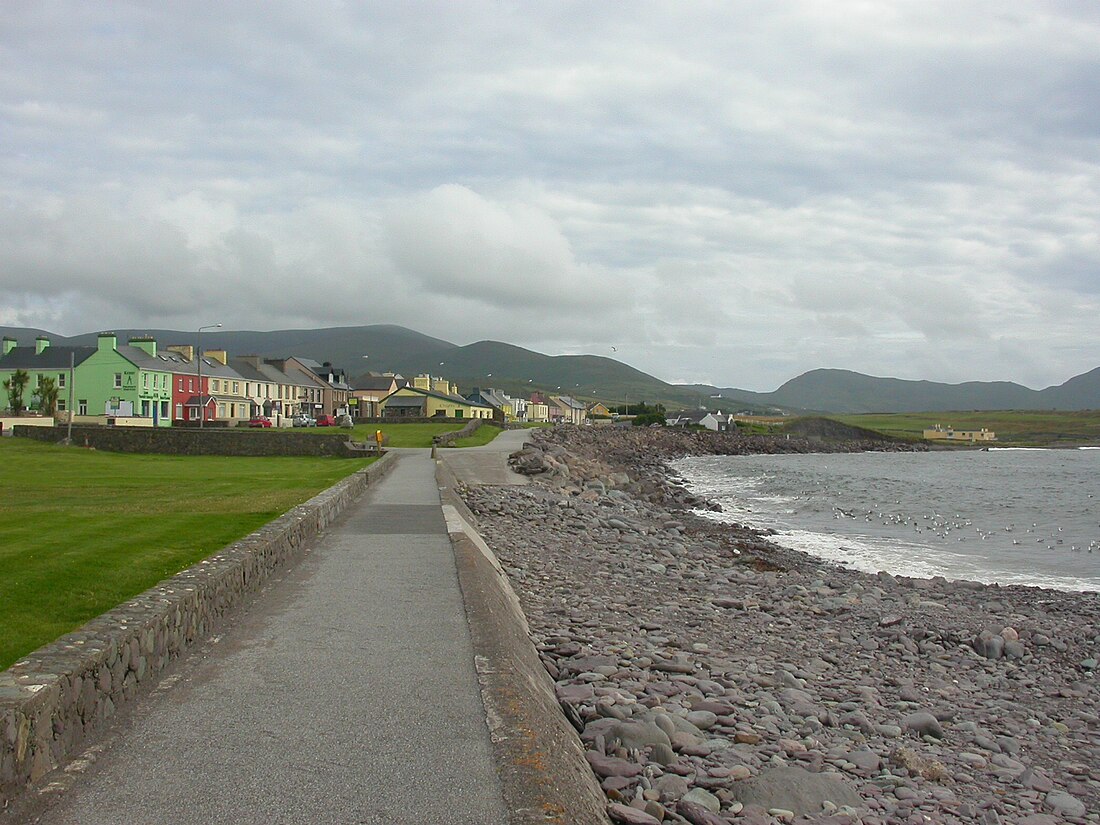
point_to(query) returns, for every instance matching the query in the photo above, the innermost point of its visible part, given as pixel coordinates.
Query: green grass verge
(400, 435)
(482, 436)
(1019, 427)
(81, 531)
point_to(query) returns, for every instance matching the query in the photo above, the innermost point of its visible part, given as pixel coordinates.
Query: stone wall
(179, 441)
(54, 699)
(448, 439)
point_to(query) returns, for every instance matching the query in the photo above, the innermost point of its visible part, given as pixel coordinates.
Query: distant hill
(843, 391)
(382, 347)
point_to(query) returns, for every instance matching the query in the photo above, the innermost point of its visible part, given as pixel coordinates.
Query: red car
(326, 421)
(259, 421)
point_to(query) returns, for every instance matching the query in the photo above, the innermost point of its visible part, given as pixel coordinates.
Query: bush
(649, 419)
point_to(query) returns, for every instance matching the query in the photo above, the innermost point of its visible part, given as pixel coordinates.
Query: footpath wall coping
(544, 774)
(193, 441)
(54, 700)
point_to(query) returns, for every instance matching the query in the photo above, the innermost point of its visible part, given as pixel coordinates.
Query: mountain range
(383, 347)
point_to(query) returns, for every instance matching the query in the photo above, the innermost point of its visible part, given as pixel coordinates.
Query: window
(145, 380)
(236, 387)
(180, 385)
(61, 380)
(214, 385)
(118, 380)
(163, 409)
(82, 406)
(61, 405)
(144, 409)
(179, 408)
(190, 384)
(221, 410)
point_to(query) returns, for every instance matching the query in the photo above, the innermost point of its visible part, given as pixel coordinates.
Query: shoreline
(715, 676)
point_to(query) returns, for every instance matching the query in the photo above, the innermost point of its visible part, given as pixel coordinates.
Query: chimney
(186, 350)
(41, 343)
(9, 344)
(219, 355)
(107, 341)
(145, 343)
(252, 360)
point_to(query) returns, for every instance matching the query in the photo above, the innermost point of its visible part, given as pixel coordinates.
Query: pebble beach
(715, 677)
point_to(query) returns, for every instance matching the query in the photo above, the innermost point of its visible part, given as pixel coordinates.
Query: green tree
(46, 393)
(16, 386)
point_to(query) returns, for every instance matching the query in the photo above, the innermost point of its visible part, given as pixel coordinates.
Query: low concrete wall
(180, 441)
(9, 421)
(54, 699)
(544, 775)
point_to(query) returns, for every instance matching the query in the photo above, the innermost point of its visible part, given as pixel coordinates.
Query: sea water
(1012, 516)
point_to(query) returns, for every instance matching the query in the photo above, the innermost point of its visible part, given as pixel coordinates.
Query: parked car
(259, 421)
(326, 421)
(304, 421)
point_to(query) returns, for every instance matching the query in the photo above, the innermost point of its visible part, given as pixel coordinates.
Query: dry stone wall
(56, 698)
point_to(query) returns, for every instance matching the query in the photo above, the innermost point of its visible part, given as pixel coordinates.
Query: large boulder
(795, 789)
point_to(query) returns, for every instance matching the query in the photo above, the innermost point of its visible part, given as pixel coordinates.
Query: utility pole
(72, 372)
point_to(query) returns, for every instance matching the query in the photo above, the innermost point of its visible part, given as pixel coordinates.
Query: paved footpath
(346, 693)
(487, 464)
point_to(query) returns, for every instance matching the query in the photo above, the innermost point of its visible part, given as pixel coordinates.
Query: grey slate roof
(51, 358)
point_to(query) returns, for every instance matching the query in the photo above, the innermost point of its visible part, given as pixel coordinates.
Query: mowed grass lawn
(1026, 427)
(81, 531)
(407, 435)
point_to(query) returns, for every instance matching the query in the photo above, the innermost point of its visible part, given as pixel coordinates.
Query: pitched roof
(374, 382)
(51, 358)
(454, 399)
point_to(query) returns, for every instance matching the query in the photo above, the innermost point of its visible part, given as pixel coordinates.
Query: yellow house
(416, 402)
(600, 409)
(425, 381)
(949, 433)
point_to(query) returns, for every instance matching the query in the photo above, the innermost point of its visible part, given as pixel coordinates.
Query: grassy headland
(1013, 427)
(82, 531)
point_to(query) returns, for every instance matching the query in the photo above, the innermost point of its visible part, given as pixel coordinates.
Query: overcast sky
(730, 193)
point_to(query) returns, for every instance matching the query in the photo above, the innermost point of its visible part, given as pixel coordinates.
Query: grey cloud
(683, 180)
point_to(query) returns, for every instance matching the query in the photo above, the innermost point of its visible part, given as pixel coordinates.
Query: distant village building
(718, 421)
(941, 433)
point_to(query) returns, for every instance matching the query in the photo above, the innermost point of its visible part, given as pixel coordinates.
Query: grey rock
(637, 734)
(630, 816)
(671, 787)
(703, 798)
(1065, 804)
(989, 645)
(795, 789)
(696, 814)
(923, 723)
(611, 765)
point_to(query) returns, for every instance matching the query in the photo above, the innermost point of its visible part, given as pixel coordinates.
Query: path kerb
(54, 699)
(544, 775)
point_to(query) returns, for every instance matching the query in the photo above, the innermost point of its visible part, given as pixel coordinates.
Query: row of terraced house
(141, 384)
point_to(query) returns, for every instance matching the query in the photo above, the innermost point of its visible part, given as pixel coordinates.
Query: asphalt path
(346, 693)
(487, 464)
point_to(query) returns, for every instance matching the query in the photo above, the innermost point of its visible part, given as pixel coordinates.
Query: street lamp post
(198, 356)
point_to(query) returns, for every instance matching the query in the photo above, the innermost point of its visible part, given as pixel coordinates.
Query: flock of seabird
(942, 526)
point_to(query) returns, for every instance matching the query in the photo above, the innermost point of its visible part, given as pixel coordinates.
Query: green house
(124, 382)
(108, 381)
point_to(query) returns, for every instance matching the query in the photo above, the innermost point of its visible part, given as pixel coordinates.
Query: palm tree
(46, 393)
(15, 387)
